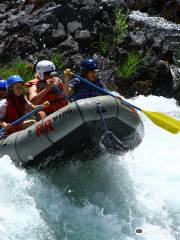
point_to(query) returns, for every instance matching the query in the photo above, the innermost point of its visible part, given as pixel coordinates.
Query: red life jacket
(16, 108)
(56, 100)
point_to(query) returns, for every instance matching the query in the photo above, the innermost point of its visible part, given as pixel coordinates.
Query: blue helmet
(3, 84)
(14, 79)
(88, 64)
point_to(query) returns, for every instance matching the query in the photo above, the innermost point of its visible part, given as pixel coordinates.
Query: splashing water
(19, 218)
(113, 144)
(171, 33)
(107, 198)
(155, 22)
(157, 177)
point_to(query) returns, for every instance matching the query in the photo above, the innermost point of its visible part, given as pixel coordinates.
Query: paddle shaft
(105, 91)
(19, 120)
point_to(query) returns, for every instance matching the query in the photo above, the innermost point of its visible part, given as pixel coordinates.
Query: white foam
(156, 169)
(155, 22)
(19, 217)
(103, 199)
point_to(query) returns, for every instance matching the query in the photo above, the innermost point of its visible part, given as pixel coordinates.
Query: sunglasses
(51, 73)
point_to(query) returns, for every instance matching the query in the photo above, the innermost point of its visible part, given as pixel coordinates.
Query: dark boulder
(58, 35)
(82, 35)
(87, 14)
(136, 40)
(42, 33)
(72, 27)
(3, 8)
(69, 45)
(46, 18)
(79, 28)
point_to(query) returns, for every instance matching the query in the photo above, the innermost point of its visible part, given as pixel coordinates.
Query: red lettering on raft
(48, 125)
(44, 128)
(39, 129)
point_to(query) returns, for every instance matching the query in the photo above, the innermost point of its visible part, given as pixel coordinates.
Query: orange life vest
(56, 100)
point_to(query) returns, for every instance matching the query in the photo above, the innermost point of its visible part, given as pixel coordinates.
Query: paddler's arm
(5, 125)
(29, 106)
(36, 98)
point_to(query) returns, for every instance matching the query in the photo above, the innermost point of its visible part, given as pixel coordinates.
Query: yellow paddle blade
(165, 121)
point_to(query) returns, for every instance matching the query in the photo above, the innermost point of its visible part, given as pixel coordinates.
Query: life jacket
(56, 100)
(83, 90)
(16, 108)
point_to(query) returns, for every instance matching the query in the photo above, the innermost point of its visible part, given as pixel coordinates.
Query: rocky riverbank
(74, 29)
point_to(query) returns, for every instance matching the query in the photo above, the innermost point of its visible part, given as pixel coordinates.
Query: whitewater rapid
(107, 198)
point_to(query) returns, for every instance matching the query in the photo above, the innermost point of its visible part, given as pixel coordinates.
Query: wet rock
(29, 8)
(162, 80)
(2, 47)
(3, 17)
(42, 30)
(3, 8)
(87, 15)
(136, 40)
(64, 13)
(59, 34)
(3, 34)
(143, 5)
(42, 35)
(141, 87)
(153, 77)
(72, 27)
(26, 46)
(73, 62)
(82, 35)
(159, 73)
(106, 70)
(46, 18)
(91, 3)
(68, 45)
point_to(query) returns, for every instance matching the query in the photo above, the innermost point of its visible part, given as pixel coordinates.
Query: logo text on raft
(47, 125)
(62, 114)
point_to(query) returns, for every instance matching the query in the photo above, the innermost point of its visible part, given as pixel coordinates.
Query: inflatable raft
(74, 130)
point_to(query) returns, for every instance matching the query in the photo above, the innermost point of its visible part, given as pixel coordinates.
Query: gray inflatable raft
(74, 130)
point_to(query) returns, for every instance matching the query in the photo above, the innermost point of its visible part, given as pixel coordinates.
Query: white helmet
(45, 66)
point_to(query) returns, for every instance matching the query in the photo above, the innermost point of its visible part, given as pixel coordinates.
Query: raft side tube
(45, 133)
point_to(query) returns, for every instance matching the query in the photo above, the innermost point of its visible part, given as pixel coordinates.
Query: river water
(107, 198)
(104, 199)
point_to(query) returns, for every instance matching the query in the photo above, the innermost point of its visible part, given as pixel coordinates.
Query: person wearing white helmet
(44, 88)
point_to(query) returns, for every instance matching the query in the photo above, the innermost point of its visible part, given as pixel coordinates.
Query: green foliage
(18, 67)
(121, 26)
(104, 44)
(107, 42)
(130, 67)
(57, 60)
(24, 69)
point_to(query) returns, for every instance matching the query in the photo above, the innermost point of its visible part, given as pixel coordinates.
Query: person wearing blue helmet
(79, 90)
(3, 89)
(14, 106)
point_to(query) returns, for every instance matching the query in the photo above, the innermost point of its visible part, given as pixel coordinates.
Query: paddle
(21, 119)
(162, 120)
